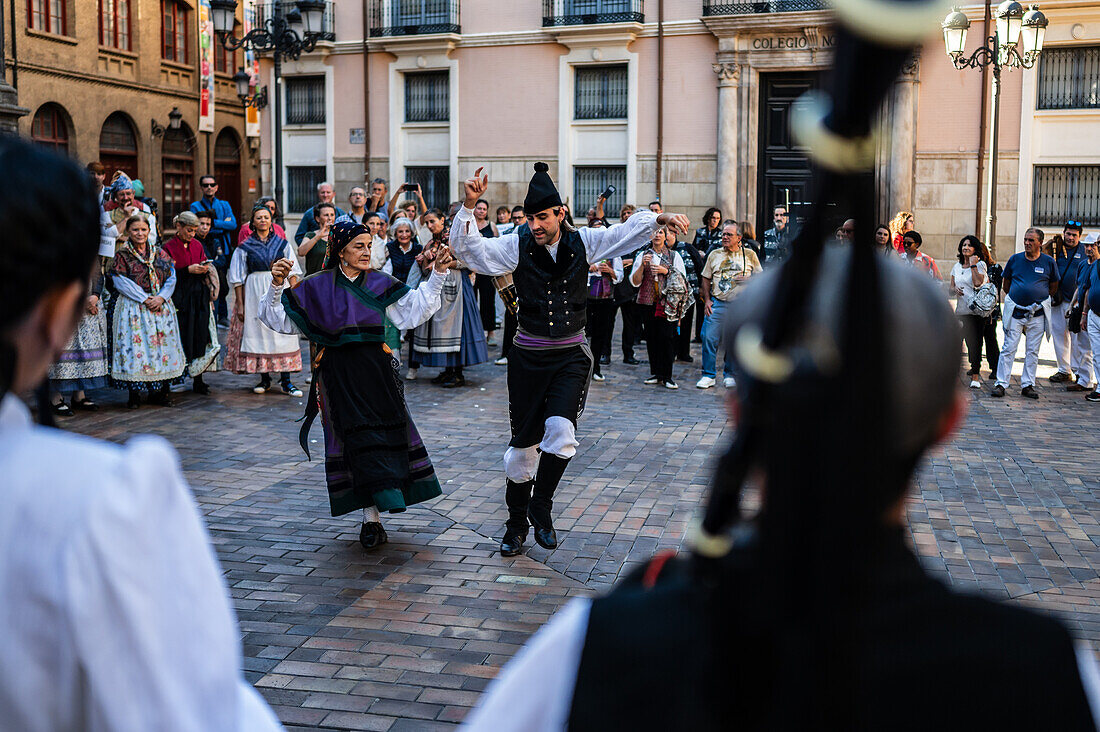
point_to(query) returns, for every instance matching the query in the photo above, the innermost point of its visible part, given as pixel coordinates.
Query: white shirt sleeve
(388, 267)
(678, 264)
(169, 286)
(1090, 679)
(148, 610)
(272, 314)
(238, 268)
(534, 692)
(416, 306)
(637, 266)
(496, 256)
(128, 288)
(619, 239)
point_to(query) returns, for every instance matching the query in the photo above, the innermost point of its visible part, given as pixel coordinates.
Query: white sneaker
(975, 384)
(670, 384)
(705, 383)
(597, 377)
(502, 361)
(652, 380)
(309, 379)
(729, 382)
(410, 375)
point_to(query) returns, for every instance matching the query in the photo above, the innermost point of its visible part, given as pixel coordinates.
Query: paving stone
(406, 638)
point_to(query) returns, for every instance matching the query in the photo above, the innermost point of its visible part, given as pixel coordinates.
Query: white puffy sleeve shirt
(115, 612)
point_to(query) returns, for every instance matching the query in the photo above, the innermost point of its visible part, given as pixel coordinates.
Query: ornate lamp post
(1015, 44)
(248, 97)
(280, 36)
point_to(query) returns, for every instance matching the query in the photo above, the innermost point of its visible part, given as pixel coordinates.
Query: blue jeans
(712, 336)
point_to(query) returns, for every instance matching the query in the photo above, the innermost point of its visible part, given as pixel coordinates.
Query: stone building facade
(575, 83)
(100, 79)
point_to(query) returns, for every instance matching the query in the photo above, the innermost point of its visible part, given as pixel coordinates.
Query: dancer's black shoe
(372, 535)
(512, 543)
(545, 536)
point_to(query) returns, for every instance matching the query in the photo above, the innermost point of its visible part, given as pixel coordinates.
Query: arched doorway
(50, 128)
(227, 169)
(177, 172)
(118, 148)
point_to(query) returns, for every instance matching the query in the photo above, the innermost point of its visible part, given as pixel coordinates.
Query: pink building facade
(613, 91)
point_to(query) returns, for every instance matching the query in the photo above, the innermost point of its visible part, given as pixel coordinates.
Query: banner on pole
(252, 68)
(206, 67)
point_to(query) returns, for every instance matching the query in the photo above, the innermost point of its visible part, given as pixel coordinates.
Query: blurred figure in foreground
(116, 613)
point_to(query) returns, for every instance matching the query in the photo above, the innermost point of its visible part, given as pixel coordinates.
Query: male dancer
(549, 364)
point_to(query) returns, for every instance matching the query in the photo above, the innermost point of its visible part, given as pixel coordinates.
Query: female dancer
(374, 457)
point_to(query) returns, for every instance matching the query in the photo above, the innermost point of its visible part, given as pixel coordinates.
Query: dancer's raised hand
(677, 222)
(444, 260)
(475, 187)
(280, 268)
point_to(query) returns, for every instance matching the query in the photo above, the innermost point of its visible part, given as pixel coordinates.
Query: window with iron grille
(305, 100)
(1066, 193)
(435, 184)
(601, 92)
(174, 31)
(114, 24)
(46, 15)
(1069, 78)
(428, 96)
(590, 182)
(302, 182)
(50, 129)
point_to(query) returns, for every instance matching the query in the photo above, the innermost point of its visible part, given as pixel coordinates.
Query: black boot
(372, 535)
(551, 468)
(518, 497)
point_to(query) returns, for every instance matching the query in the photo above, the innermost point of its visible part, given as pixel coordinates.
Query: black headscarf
(343, 233)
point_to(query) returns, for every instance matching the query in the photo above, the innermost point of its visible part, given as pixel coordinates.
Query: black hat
(542, 193)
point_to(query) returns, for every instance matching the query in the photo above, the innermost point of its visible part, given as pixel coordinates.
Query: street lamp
(175, 120)
(257, 99)
(1015, 31)
(280, 36)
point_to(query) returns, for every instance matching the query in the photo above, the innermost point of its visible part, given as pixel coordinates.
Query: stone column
(903, 134)
(729, 76)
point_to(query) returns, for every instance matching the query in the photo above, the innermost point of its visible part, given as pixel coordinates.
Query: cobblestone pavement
(406, 638)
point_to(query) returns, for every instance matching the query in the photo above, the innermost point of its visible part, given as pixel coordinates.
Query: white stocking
(371, 515)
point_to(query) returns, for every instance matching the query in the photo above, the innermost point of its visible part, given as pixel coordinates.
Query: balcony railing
(718, 7)
(264, 11)
(413, 17)
(587, 12)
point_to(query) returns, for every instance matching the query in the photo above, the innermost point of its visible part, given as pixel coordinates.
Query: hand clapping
(444, 260)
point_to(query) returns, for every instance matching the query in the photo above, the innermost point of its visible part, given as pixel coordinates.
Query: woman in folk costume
(252, 347)
(196, 291)
(453, 338)
(83, 363)
(144, 345)
(374, 457)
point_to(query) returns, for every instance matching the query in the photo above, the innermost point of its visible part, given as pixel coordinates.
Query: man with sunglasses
(224, 223)
(1067, 348)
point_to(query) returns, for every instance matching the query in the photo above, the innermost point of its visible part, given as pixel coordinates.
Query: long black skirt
(545, 383)
(192, 300)
(373, 453)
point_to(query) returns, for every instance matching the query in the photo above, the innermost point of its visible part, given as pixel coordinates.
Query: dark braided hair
(45, 247)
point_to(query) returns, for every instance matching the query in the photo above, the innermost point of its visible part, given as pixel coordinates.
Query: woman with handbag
(969, 274)
(649, 274)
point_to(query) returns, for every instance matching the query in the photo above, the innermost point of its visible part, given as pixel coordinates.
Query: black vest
(401, 261)
(687, 655)
(553, 296)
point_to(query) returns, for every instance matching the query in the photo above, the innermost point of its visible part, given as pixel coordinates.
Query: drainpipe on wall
(14, 51)
(982, 131)
(660, 92)
(366, 94)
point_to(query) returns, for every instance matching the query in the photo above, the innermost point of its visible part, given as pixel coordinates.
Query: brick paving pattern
(407, 637)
